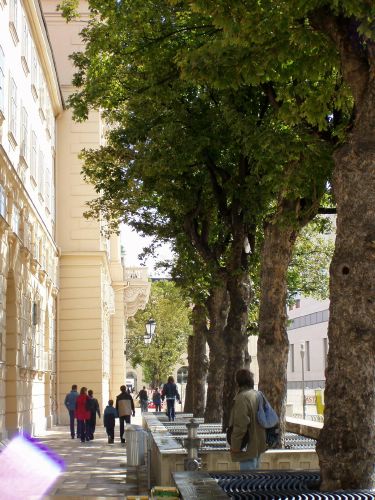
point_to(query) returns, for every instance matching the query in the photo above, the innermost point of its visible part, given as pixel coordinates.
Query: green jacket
(243, 416)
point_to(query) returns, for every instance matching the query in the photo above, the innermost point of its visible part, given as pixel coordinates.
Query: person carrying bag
(244, 420)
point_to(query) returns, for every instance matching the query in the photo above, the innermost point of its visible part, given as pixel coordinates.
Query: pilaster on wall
(81, 317)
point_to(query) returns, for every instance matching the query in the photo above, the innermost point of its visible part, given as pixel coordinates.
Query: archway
(131, 381)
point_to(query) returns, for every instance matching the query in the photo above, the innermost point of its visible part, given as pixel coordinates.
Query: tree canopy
(172, 315)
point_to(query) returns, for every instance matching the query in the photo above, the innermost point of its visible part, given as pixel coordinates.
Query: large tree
(210, 161)
(172, 156)
(326, 45)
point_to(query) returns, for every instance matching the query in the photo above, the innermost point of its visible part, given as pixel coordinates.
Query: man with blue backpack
(247, 436)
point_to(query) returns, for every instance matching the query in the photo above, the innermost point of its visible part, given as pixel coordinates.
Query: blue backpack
(268, 419)
(266, 415)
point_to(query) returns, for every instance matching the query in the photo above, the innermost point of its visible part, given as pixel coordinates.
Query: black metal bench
(281, 485)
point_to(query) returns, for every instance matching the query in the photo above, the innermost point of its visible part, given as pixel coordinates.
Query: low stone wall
(302, 427)
(167, 456)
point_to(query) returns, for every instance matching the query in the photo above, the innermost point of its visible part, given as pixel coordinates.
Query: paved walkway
(94, 469)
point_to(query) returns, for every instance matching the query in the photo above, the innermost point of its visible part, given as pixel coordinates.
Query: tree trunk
(236, 340)
(346, 444)
(217, 306)
(198, 364)
(273, 345)
(190, 384)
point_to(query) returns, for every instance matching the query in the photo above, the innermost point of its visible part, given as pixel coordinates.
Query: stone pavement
(94, 469)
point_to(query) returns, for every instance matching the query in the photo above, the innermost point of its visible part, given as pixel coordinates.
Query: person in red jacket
(83, 415)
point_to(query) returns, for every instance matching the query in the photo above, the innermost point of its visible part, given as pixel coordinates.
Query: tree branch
(327, 210)
(354, 59)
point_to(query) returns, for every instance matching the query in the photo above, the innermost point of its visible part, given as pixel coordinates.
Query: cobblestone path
(94, 469)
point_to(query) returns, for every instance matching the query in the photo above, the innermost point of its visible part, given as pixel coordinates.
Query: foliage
(296, 62)
(172, 315)
(69, 9)
(308, 272)
(179, 150)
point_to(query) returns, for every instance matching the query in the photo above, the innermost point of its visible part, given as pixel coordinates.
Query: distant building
(308, 325)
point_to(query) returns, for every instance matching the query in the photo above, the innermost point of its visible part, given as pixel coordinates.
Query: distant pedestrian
(83, 415)
(156, 398)
(170, 393)
(93, 406)
(70, 403)
(125, 408)
(243, 419)
(143, 398)
(110, 415)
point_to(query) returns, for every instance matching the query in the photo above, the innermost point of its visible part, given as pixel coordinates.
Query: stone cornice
(136, 296)
(43, 46)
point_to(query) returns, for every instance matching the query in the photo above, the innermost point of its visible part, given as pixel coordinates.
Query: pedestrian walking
(93, 406)
(156, 398)
(143, 399)
(70, 403)
(125, 408)
(83, 415)
(243, 419)
(109, 416)
(170, 393)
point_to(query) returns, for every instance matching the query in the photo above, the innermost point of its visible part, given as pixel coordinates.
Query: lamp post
(302, 351)
(150, 330)
(147, 337)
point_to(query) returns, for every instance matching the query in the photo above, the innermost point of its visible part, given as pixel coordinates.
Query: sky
(134, 244)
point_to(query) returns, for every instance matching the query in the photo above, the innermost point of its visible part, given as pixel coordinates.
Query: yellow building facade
(63, 286)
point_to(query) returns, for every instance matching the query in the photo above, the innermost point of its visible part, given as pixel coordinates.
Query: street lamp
(150, 330)
(147, 337)
(302, 351)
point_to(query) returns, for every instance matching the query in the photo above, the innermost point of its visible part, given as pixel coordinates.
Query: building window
(48, 190)
(34, 72)
(291, 353)
(2, 81)
(48, 120)
(41, 175)
(16, 218)
(33, 157)
(3, 203)
(13, 109)
(13, 19)
(325, 351)
(24, 134)
(307, 350)
(25, 45)
(53, 191)
(42, 96)
(35, 313)
(36, 248)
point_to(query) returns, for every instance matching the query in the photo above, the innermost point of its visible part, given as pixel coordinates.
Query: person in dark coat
(93, 406)
(156, 398)
(110, 415)
(143, 398)
(170, 393)
(83, 415)
(70, 403)
(125, 408)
